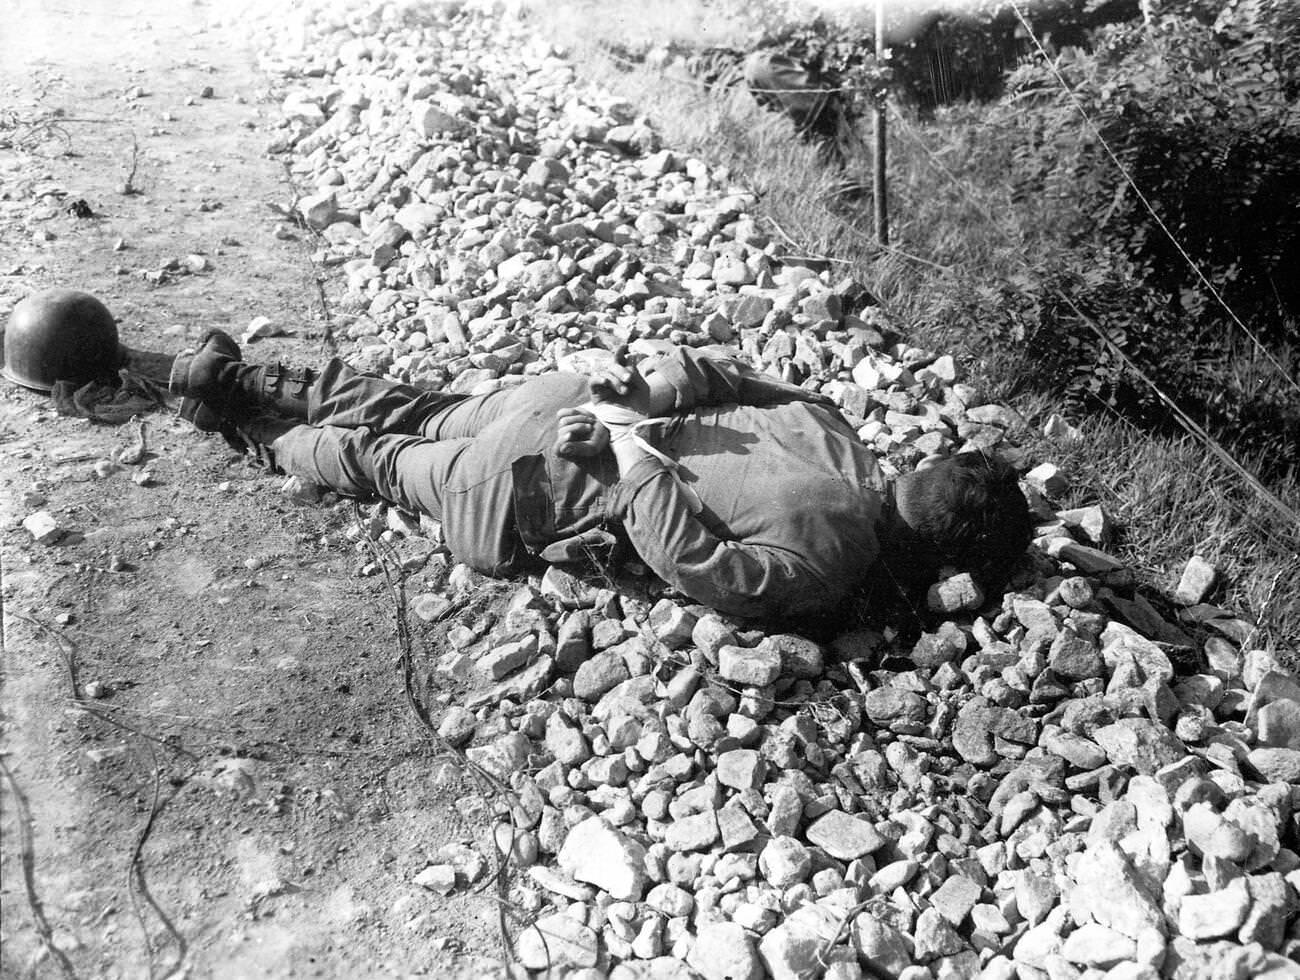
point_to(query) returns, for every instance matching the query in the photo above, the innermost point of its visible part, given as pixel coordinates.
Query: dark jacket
(791, 498)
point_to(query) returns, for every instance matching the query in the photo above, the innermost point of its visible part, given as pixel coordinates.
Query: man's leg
(407, 470)
(419, 475)
(343, 397)
(346, 398)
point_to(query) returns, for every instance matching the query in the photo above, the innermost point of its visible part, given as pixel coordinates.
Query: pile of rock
(1062, 783)
(1041, 790)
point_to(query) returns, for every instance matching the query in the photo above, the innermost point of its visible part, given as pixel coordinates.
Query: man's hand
(648, 395)
(581, 435)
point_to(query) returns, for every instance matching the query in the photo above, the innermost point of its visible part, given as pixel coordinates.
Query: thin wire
(1083, 113)
(1183, 418)
(727, 80)
(27, 849)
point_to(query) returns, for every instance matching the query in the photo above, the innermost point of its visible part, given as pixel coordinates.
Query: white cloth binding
(623, 424)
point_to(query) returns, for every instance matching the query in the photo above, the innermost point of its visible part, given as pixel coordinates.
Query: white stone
(440, 878)
(556, 942)
(792, 950)
(844, 836)
(1217, 914)
(725, 951)
(43, 527)
(1095, 945)
(597, 853)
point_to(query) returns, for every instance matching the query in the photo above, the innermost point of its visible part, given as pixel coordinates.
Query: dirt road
(242, 791)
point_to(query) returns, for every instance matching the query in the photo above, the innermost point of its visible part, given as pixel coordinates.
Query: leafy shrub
(1201, 118)
(1205, 127)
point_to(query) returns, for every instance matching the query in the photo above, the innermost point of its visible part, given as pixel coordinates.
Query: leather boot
(218, 387)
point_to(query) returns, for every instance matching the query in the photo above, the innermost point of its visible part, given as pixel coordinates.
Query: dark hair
(968, 512)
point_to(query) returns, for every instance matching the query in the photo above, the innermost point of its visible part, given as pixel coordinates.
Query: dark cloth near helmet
(102, 402)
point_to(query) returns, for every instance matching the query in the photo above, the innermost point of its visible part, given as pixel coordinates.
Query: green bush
(1205, 127)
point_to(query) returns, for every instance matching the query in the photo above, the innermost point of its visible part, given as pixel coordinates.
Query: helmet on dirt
(60, 335)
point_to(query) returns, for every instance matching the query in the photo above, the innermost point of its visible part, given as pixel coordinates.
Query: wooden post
(878, 173)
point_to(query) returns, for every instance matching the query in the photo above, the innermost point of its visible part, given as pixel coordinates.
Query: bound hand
(581, 435)
(646, 395)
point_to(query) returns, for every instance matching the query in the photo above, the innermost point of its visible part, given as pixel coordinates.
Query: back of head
(969, 512)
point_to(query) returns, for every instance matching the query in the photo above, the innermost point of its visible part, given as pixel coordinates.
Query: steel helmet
(61, 335)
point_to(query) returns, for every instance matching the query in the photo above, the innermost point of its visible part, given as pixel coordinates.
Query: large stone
(694, 833)
(893, 706)
(457, 726)
(1270, 904)
(1092, 521)
(1220, 913)
(955, 898)
(1039, 945)
(429, 120)
(800, 657)
(935, 937)
(507, 657)
(672, 625)
(595, 852)
(736, 827)
(1117, 640)
(1096, 945)
(893, 875)
(319, 210)
(725, 951)
(521, 687)
(599, 675)
(955, 594)
(546, 170)
(1210, 835)
(886, 950)
(1278, 724)
(1276, 765)
(844, 836)
(792, 951)
(566, 743)
(1075, 658)
(784, 862)
(935, 649)
(1196, 582)
(1141, 743)
(741, 769)
(1080, 752)
(1036, 896)
(43, 527)
(418, 219)
(754, 666)
(979, 721)
(557, 942)
(1110, 891)
(1089, 561)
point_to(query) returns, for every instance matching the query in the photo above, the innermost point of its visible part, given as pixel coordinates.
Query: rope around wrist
(623, 424)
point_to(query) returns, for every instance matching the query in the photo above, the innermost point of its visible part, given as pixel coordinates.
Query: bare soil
(249, 751)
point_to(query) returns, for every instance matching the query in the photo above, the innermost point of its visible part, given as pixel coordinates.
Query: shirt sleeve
(733, 577)
(714, 376)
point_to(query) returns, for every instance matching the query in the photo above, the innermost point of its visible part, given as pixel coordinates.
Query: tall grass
(956, 232)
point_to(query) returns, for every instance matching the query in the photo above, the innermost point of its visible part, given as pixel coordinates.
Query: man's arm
(660, 514)
(694, 376)
(732, 576)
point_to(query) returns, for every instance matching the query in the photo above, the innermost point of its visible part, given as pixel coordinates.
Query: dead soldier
(744, 493)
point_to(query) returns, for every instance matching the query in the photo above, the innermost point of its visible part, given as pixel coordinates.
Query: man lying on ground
(745, 493)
